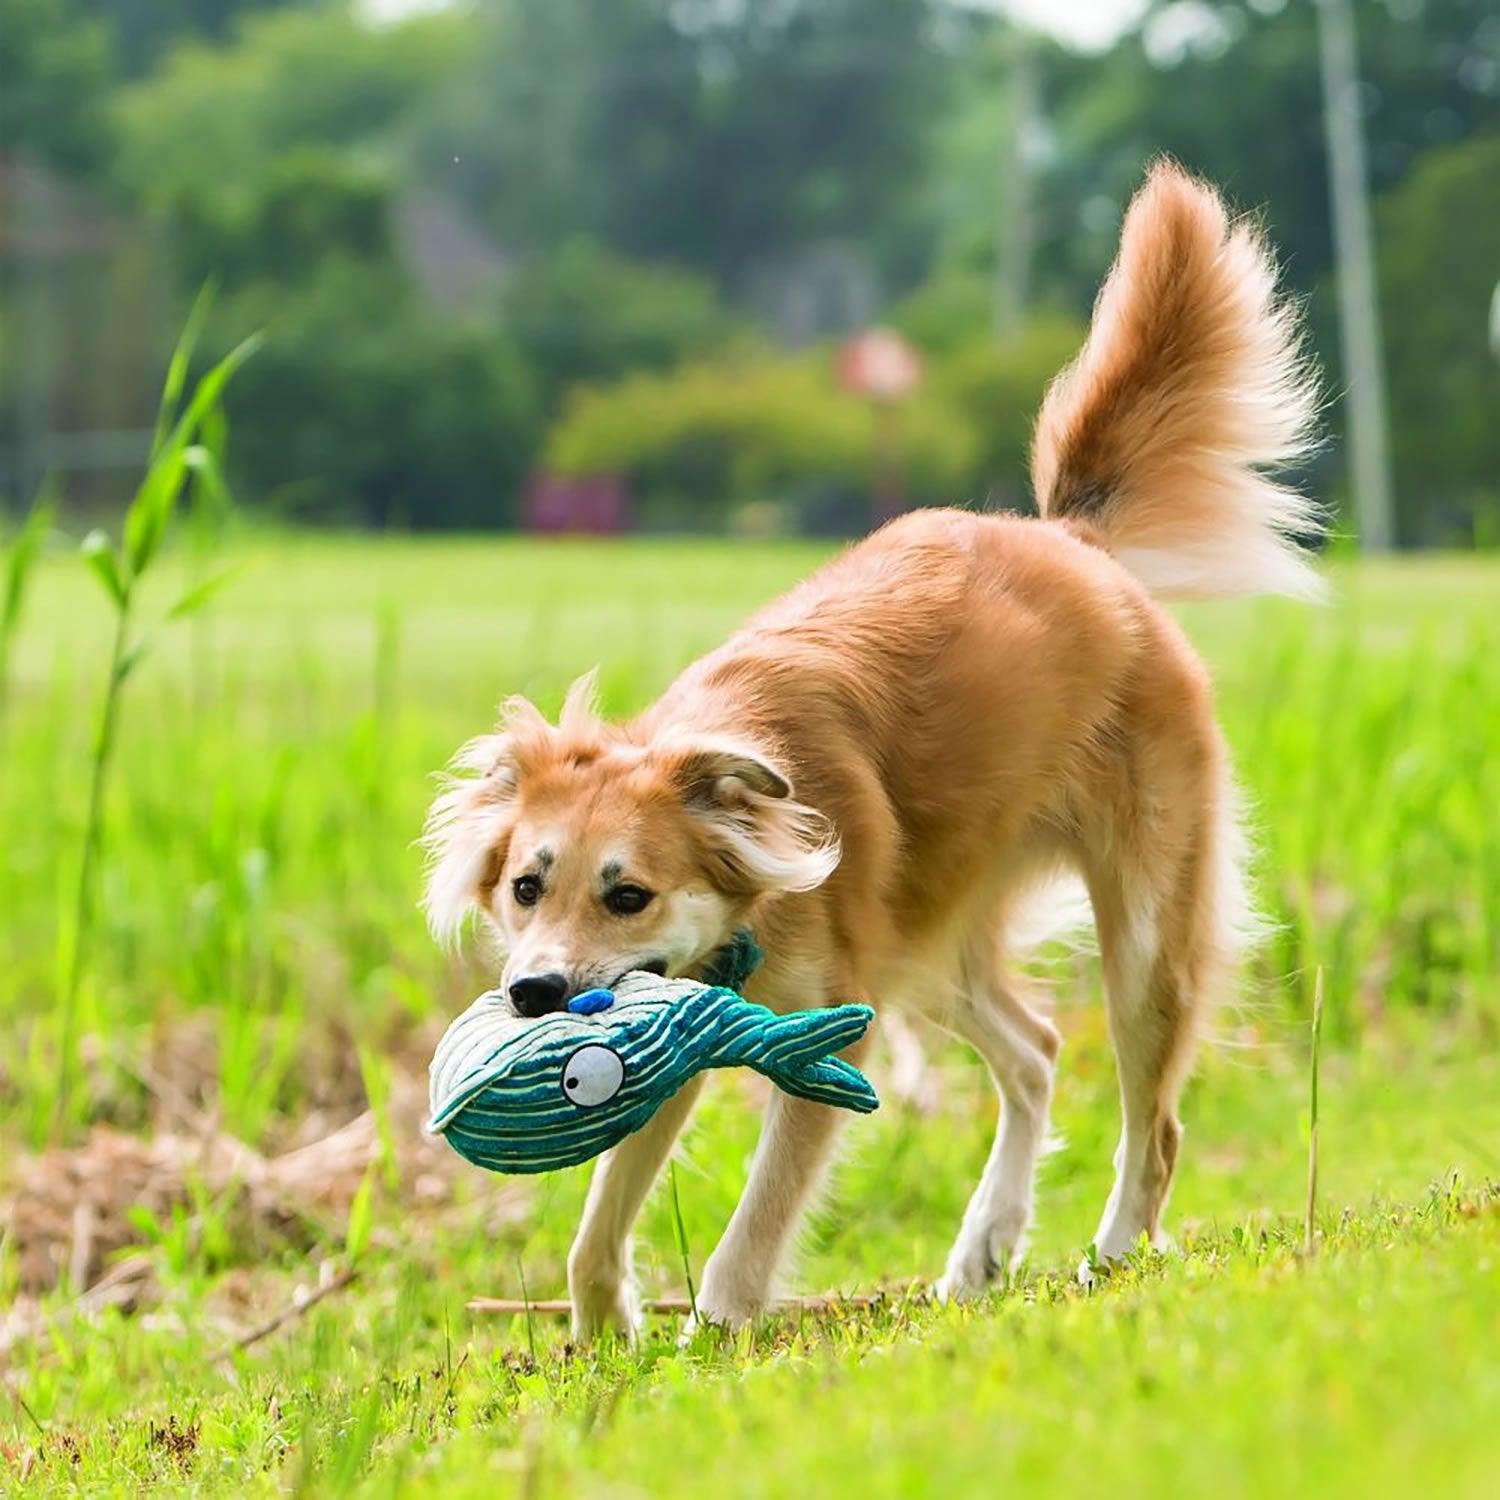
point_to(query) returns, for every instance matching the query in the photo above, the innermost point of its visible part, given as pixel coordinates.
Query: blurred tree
(1231, 88)
(213, 121)
(584, 314)
(314, 203)
(1439, 266)
(691, 131)
(54, 74)
(144, 30)
(364, 408)
(275, 165)
(718, 433)
(996, 388)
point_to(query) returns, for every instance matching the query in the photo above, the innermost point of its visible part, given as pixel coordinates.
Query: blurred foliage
(54, 78)
(212, 121)
(1439, 265)
(315, 204)
(709, 135)
(1232, 89)
(364, 408)
(996, 388)
(455, 220)
(584, 313)
(142, 30)
(755, 427)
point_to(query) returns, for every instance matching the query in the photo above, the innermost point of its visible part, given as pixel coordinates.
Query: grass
(256, 936)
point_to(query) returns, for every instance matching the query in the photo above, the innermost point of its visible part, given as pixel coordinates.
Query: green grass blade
(353, 1449)
(98, 554)
(21, 559)
(20, 562)
(177, 366)
(151, 511)
(194, 598)
(1310, 1224)
(202, 462)
(679, 1229)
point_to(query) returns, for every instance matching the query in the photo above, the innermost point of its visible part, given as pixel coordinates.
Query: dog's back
(961, 680)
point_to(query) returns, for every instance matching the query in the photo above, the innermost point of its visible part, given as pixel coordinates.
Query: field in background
(262, 974)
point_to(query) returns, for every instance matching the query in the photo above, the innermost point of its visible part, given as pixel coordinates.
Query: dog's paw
(726, 1302)
(604, 1305)
(981, 1259)
(596, 1316)
(1114, 1246)
(690, 1327)
(966, 1279)
(1105, 1254)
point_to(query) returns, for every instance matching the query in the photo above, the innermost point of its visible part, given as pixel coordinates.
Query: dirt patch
(72, 1210)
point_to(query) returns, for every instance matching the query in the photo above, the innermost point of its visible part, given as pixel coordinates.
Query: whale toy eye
(592, 1076)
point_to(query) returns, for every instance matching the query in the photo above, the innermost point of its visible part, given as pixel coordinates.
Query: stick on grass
(295, 1309)
(560, 1307)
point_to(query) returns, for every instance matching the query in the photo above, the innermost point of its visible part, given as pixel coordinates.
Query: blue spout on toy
(591, 1002)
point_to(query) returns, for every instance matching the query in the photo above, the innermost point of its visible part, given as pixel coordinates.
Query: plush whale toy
(517, 1094)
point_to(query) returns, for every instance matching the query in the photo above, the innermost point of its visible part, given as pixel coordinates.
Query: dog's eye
(627, 900)
(527, 890)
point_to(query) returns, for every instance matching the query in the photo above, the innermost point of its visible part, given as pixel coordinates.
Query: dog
(884, 771)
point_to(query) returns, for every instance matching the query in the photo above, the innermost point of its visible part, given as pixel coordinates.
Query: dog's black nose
(537, 994)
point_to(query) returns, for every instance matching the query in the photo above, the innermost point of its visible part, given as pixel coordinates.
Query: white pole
(1353, 245)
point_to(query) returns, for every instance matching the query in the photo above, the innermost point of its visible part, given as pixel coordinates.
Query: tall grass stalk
(20, 560)
(176, 456)
(680, 1230)
(1309, 1228)
(526, 1298)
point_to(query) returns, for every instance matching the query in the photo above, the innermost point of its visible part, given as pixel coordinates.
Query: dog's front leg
(600, 1279)
(796, 1144)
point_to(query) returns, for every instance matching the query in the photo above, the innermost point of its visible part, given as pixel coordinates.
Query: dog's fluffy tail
(1190, 387)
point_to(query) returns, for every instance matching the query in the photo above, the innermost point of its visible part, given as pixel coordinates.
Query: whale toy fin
(794, 1052)
(829, 1080)
(805, 1035)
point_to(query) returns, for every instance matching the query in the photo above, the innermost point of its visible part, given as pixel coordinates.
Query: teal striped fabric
(513, 1094)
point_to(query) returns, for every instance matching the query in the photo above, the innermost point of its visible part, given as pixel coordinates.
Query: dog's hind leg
(1020, 1046)
(1170, 913)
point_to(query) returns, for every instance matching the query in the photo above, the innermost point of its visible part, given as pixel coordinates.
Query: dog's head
(592, 853)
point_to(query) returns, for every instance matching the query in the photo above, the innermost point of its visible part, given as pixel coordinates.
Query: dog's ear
(580, 710)
(758, 836)
(468, 828)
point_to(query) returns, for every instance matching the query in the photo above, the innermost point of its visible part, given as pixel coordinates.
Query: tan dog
(883, 768)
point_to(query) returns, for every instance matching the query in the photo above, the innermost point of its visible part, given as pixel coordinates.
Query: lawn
(261, 998)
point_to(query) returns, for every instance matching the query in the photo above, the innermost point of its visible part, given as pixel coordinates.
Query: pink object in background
(591, 505)
(880, 364)
(883, 368)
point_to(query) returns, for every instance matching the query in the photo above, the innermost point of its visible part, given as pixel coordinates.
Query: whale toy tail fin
(794, 1052)
(831, 1081)
(805, 1035)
